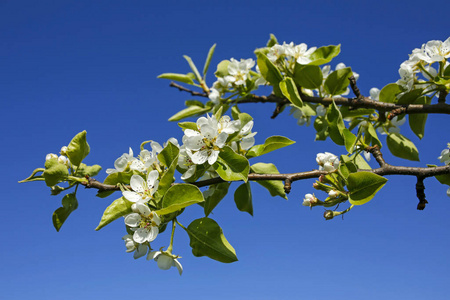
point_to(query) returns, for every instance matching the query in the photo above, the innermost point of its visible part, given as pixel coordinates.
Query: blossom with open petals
(142, 190)
(143, 222)
(327, 161)
(122, 162)
(165, 260)
(139, 250)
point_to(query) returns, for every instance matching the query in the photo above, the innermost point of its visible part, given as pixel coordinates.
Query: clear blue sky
(68, 66)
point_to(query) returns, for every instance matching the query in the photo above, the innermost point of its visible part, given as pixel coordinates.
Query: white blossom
(51, 156)
(309, 200)
(321, 110)
(142, 190)
(327, 161)
(445, 156)
(139, 250)
(165, 261)
(374, 94)
(238, 70)
(143, 222)
(297, 113)
(122, 162)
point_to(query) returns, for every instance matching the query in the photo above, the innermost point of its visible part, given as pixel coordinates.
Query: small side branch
(355, 88)
(183, 89)
(420, 191)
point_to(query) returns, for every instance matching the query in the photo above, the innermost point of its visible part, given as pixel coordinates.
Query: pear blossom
(407, 77)
(374, 94)
(301, 54)
(214, 96)
(333, 194)
(185, 163)
(445, 156)
(395, 124)
(448, 192)
(246, 136)
(143, 222)
(122, 162)
(327, 161)
(51, 156)
(165, 260)
(142, 190)
(321, 110)
(309, 200)
(209, 138)
(297, 113)
(238, 70)
(139, 250)
(435, 51)
(144, 161)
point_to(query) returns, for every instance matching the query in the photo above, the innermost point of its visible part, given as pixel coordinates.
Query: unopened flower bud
(51, 156)
(328, 214)
(333, 194)
(63, 160)
(316, 186)
(63, 150)
(310, 200)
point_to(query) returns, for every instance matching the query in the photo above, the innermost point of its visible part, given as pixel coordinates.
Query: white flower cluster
(327, 161)
(291, 52)
(445, 158)
(421, 61)
(62, 158)
(238, 74)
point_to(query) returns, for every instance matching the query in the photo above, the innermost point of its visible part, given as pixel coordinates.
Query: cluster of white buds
(327, 161)
(62, 158)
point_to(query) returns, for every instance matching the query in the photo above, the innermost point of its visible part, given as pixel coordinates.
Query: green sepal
(402, 147)
(275, 187)
(54, 172)
(207, 239)
(272, 143)
(417, 121)
(78, 148)
(180, 196)
(231, 166)
(389, 92)
(337, 82)
(69, 204)
(118, 208)
(185, 78)
(213, 195)
(208, 60)
(289, 90)
(363, 186)
(308, 76)
(324, 54)
(189, 111)
(243, 198)
(270, 72)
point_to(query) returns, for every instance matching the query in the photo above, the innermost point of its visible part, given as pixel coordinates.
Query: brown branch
(420, 192)
(355, 88)
(183, 89)
(442, 96)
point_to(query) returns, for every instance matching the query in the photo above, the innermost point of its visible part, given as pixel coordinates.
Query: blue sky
(68, 66)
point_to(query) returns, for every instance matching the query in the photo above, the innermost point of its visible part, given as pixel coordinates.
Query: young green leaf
(308, 76)
(272, 41)
(270, 72)
(78, 148)
(389, 92)
(324, 54)
(207, 239)
(118, 208)
(289, 90)
(193, 68)
(185, 78)
(69, 204)
(336, 124)
(243, 198)
(337, 82)
(363, 186)
(54, 172)
(417, 121)
(213, 195)
(208, 60)
(272, 143)
(402, 147)
(180, 196)
(189, 111)
(275, 187)
(231, 166)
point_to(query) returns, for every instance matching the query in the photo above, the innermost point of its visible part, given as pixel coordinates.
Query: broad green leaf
(69, 204)
(207, 239)
(443, 179)
(349, 139)
(235, 112)
(169, 158)
(308, 76)
(272, 143)
(324, 54)
(185, 78)
(270, 72)
(169, 154)
(363, 186)
(213, 195)
(189, 111)
(389, 92)
(222, 68)
(337, 82)
(361, 162)
(208, 60)
(118, 208)
(417, 121)
(336, 124)
(78, 148)
(90, 171)
(194, 103)
(321, 127)
(272, 41)
(193, 68)
(180, 196)
(373, 134)
(120, 177)
(231, 166)
(402, 147)
(188, 125)
(289, 90)
(346, 112)
(243, 198)
(447, 71)
(54, 172)
(275, 187)
(410, 97)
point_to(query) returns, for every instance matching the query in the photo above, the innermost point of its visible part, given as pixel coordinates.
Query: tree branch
(183, 89)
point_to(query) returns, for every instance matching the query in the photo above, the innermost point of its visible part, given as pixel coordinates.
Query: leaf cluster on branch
(219, 148)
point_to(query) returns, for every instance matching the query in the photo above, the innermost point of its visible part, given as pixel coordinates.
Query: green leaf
(208, 60)
(417, 121)
(275, 187)
(402, 147)
(373, 134)
(272, 41)
(185, 78)
(118, 208)
(120, 177)
(193, 68)
(410, 97)
(231, 166)
(78, 148)
(243, 198)
(194, 103)
(289, 90)
(349, 139)
(337, 82)
(90, 171)
(169, 158)
(180, 196)
(188, 125)
(443, 179)
(363, 186)
(189, 111)
(308, 76)
(54, 172)
(270, 72)
(213, 195)
(321, 127)
(34, 177)
(207, 239)
(69, 204)
(222, 68)
(336, 124)
(169, 154)
(346, 112)
(324, 54)
(389, 92)
(272, 143)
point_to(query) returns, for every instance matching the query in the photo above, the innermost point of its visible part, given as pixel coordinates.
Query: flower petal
(153, 255)
(131, 196)
(137, 183)
(213, 157)
(200, 157)
(178, 265)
